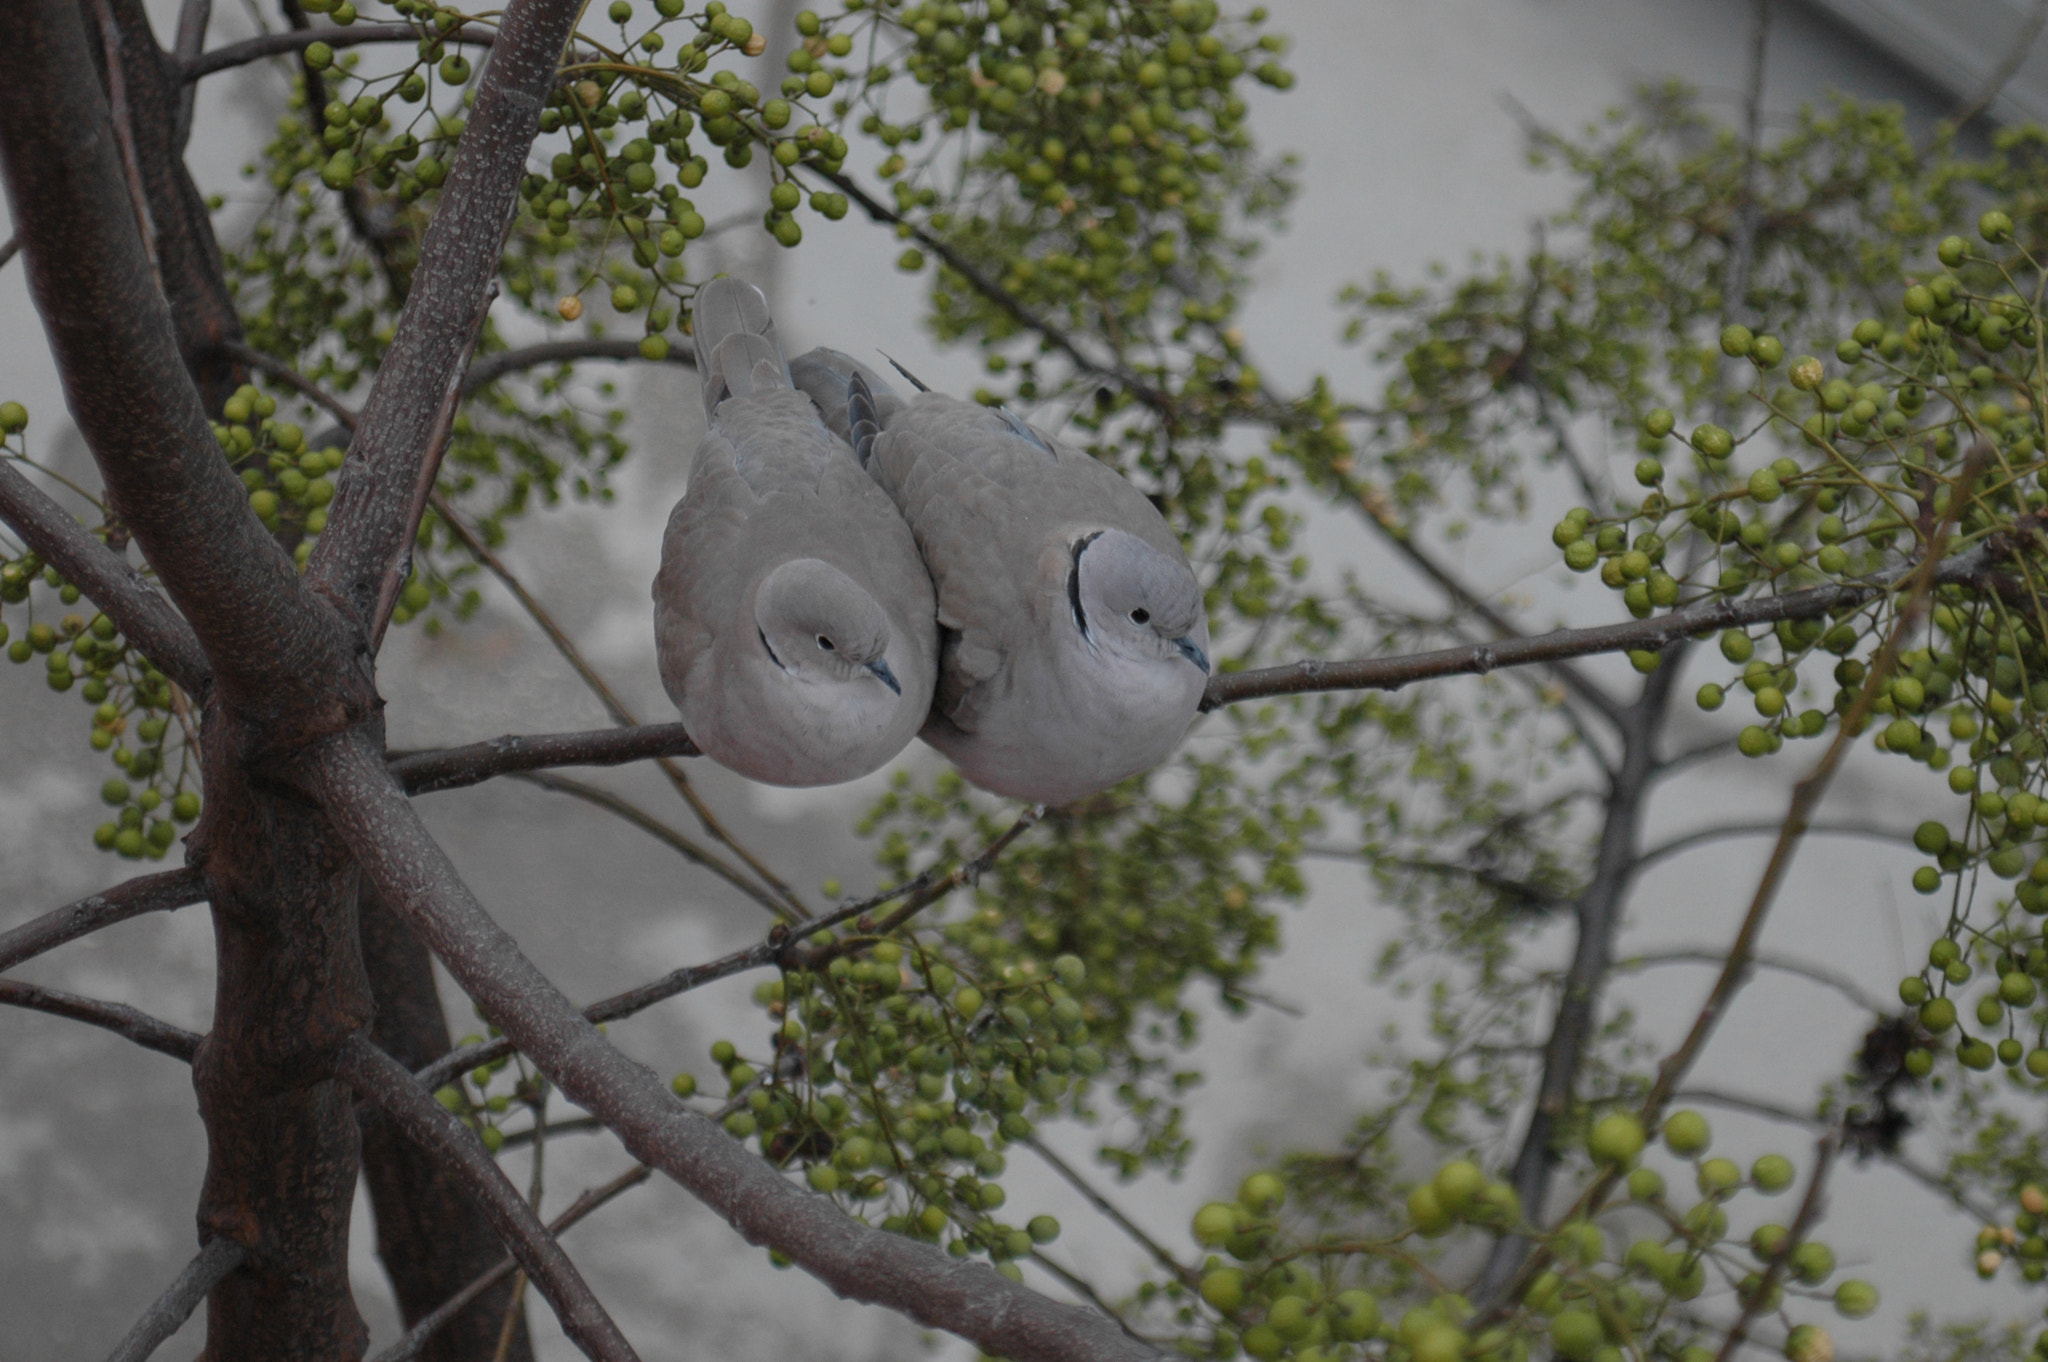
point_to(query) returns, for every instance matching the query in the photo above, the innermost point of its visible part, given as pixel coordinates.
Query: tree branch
(190, 43)
(783, 948)
(156, 893)
(1019, 311)
(1110, 1211)
(1703, 835)
(299, 39)
(621, 807)
(452, 768)
(293, 379)
(207, 1269)
(1840, 983)
(383, 832)
(408, 1347)
(113, 340)
(1824, 1151)
(164, 1318)
(119, 1018)
(149, 621)
(488, 369)
(1996, 79)
(385, 1082)
(1972, 568)
(616, 707)
(1926, 1177)
(459, 258)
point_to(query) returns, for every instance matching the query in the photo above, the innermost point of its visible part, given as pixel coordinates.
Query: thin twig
(1700, 836)
(400, 566)
(1920, 1173)
(488, 369)
(1019, 311)
(124, 130)
(1774, 1270)
(437, 1131)
(2000, 75)
(408, 1347)
(193, 16)
(121, 1019)
(1784, 964)
(298, 40)
(8, 250)
(158, 893)
(622, 807)
(1110, 1211)
(169, 1312)
(677, 779)
(783, 947)
(291, 378)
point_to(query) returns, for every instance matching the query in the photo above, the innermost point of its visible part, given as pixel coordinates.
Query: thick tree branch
(299, 39)
(156, 893)
(121, 1019)
(113, 341)
(451, 768)
(383, 1081)
(1972, 568)
(180, 1299)
(459, 258)
(488, 369)
(783, 948)
(149, 621)
(411, 871)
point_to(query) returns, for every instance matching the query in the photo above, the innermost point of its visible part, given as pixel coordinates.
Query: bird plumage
(1073, 645)
(794, 620)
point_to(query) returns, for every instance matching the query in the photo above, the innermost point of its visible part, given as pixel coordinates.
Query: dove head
(1136, 602)
(822, 628)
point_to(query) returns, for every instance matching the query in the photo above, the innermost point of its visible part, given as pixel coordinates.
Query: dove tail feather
(915, 381)
(861, 420)
(736, 349)
(826, 377)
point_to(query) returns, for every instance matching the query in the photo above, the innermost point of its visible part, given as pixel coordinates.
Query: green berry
(1856, 1299)
(1772, 1173)
(1686, 1133)
(1616, 1138)
(1736, 341)
(1657, 422)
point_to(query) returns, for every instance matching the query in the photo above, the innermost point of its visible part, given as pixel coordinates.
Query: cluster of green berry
(1594, 1301)
(137, 716)
(483, 1102)
(289, 484)
(897, 1083)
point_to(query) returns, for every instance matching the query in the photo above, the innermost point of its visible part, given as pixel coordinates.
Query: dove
(1073, 645)
(793, 618)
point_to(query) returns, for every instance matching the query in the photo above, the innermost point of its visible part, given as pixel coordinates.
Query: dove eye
(825, 643)
(1141, 616)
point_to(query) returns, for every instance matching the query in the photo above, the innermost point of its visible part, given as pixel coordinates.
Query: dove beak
(1192, 651)
(888, 678)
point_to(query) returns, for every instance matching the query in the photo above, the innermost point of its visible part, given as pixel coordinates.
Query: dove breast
(794, 620)
(1073, 644)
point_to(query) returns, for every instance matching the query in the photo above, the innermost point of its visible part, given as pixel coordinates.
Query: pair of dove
(850, 568)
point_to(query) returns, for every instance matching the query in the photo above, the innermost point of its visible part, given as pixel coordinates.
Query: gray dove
(1073, 644)
(793, 620)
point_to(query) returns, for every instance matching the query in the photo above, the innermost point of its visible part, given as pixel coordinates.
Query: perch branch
(164, 1318)
(156, 893)
(121, 1019)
